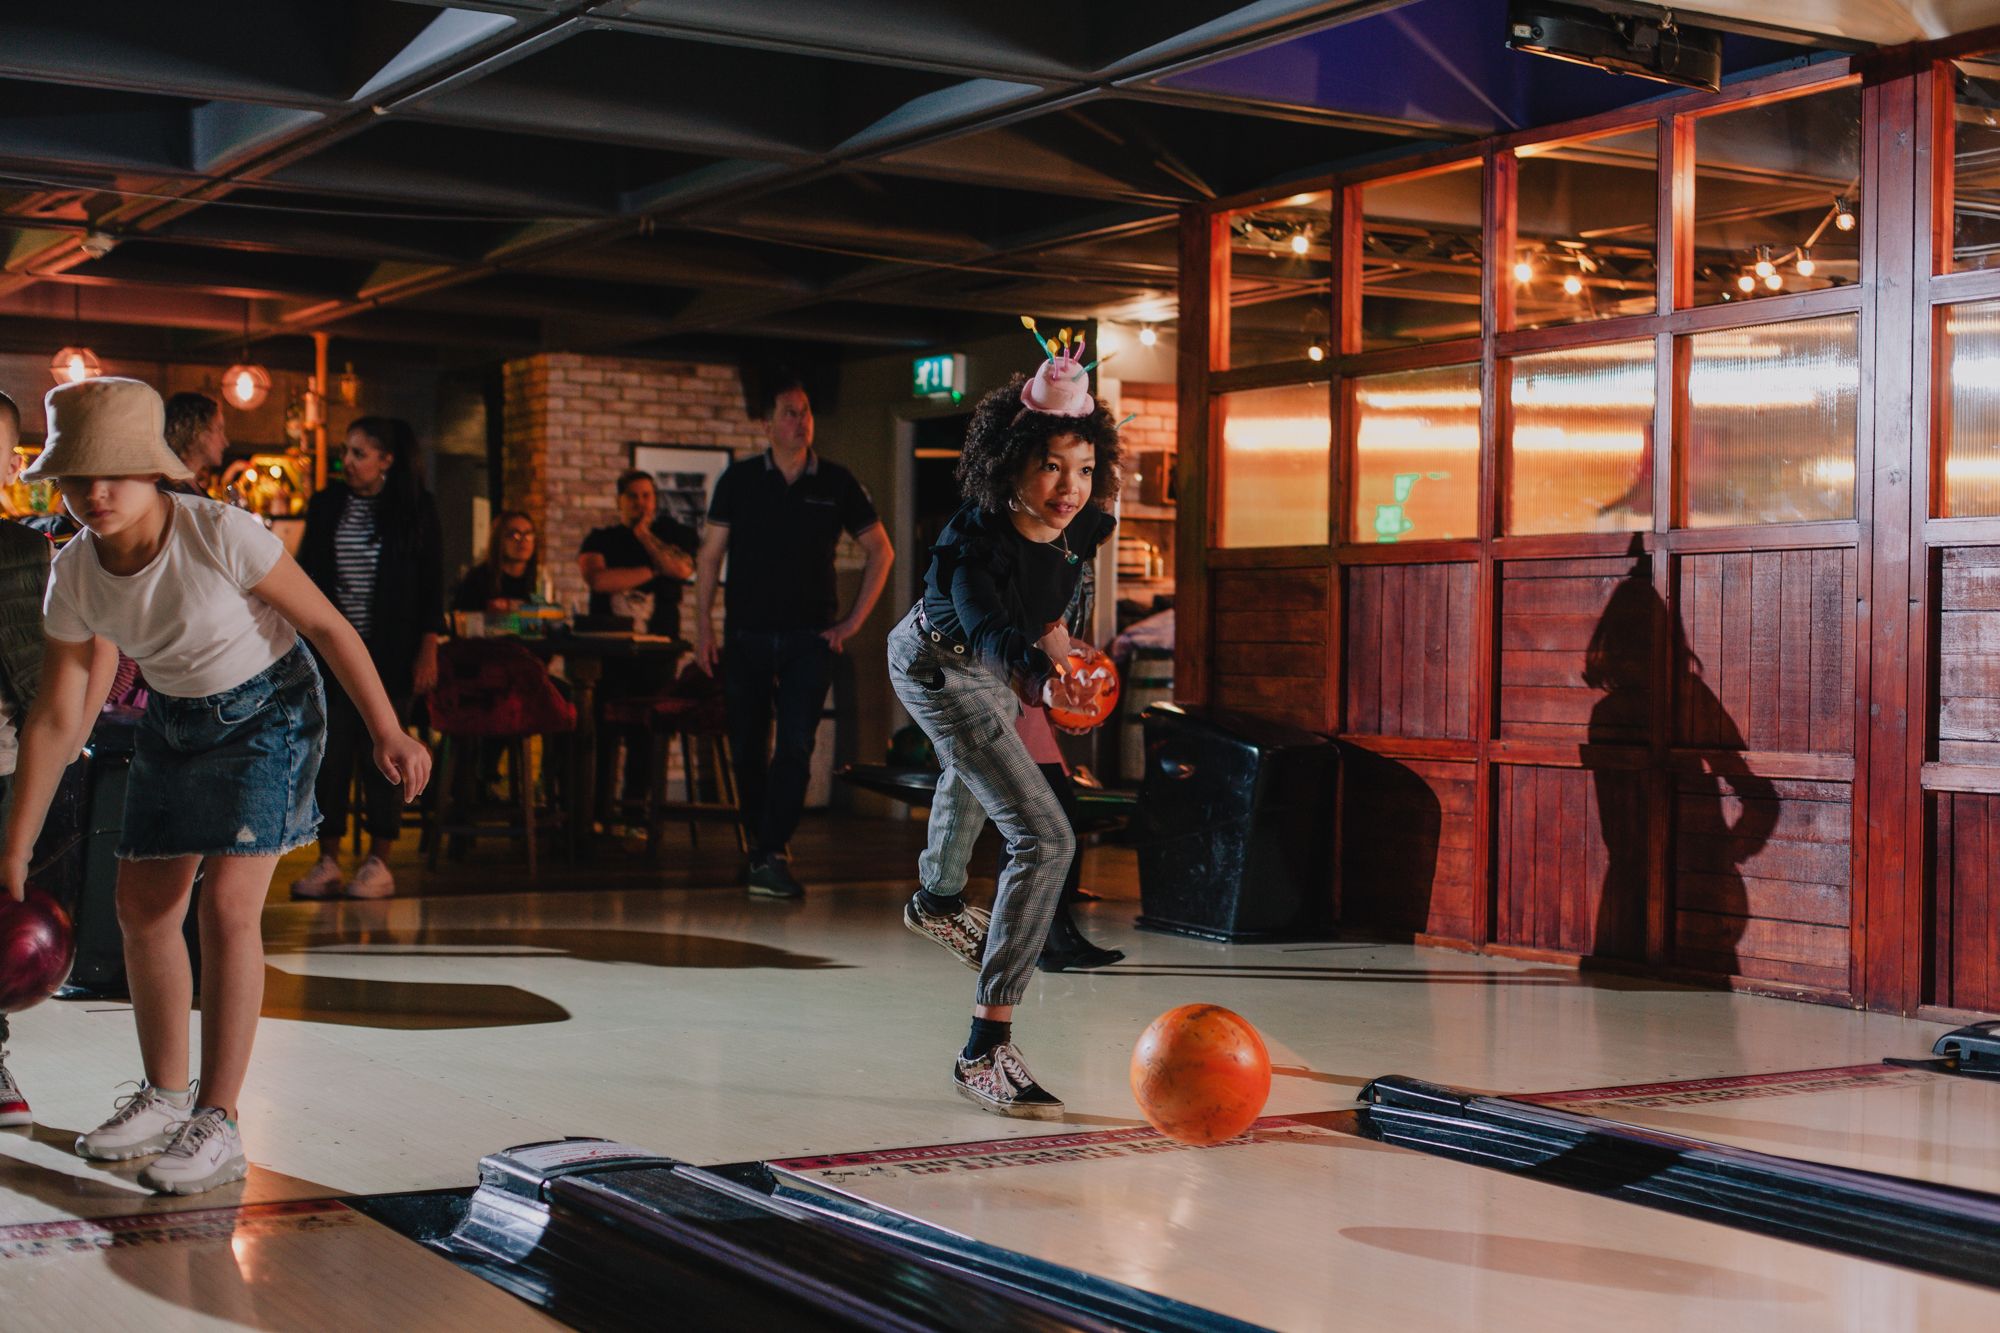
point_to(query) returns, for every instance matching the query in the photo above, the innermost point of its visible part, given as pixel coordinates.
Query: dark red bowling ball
(37, 947)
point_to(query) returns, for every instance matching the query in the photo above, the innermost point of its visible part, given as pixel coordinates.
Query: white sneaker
(13, 1102)
(372, 880)
(144, 1123)
(205, 1153)
(322, 881)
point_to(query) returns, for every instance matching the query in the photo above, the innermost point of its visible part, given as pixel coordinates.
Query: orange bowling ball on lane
(1200, 1074)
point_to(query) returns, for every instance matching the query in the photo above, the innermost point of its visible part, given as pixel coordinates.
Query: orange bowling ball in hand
(1201, 1074)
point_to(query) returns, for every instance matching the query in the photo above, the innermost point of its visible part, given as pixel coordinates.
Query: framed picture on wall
(684, 475)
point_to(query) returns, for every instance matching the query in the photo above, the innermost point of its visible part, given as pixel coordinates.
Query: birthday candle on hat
(1028, 323)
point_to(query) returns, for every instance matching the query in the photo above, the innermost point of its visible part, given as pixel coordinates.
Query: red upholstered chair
(692, 711)
(493, 691)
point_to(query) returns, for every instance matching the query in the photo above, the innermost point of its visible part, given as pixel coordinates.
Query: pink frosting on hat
(1061, 387)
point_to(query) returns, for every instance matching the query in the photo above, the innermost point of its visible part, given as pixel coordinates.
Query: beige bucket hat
(106, 427)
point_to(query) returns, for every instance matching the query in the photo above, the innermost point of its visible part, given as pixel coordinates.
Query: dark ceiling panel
(722, 101)
(484, 170)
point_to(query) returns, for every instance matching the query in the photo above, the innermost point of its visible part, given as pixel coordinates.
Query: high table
(585, 655)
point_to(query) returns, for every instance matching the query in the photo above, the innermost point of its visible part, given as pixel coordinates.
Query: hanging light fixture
(1573, 285)
(75, 363)
(348, 384)
(246, 384)
(1524, 272)
(1843, 213)
(1301, 241)
(1747, 282)
(1765, 268)
(1805, 266)
(1148, 335)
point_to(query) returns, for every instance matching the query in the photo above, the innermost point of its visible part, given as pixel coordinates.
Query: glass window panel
(1770, 423)
(1420, 258)
(1975, 160)
(1280, 282)
(1585, 222)
(1969, 425)
(1277, 449)
(1580, 452)
(1777, 197)
(1416, 455)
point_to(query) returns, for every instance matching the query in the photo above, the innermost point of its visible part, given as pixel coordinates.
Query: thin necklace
(1062, 540)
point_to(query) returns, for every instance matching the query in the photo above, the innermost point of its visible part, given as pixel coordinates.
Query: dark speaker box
(1235, 826)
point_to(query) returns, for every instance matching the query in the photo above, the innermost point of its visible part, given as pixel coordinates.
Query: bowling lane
(1302, 1225)
(1907, 1122)
(262, 1266)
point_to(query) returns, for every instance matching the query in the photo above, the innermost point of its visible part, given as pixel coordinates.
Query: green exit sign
(941, 376)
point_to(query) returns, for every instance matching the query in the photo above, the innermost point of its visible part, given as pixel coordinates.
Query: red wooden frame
(1905, 282)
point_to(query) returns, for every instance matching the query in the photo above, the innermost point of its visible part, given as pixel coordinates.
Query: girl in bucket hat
(210, 605)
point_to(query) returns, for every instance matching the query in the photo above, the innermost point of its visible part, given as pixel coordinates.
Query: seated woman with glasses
(509, 575)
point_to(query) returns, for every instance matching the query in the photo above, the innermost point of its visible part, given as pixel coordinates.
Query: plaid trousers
(968, 713)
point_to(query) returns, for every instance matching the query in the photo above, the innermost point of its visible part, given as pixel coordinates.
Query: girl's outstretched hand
(405, 762)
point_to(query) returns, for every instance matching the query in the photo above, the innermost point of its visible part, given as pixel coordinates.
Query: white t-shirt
(188, 618)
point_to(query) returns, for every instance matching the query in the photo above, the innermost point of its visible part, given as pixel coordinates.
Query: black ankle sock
(938, 904)
(986, 1034)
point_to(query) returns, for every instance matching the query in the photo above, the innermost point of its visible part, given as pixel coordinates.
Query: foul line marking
(73, 1236)
(1048, 1149)
(1741, 1087)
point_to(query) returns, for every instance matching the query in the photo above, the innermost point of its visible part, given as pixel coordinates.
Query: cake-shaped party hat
(1061, 386)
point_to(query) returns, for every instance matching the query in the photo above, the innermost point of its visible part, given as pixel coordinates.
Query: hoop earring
(1013, 504)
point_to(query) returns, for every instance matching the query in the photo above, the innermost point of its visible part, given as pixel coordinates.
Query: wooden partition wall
(1765, 753)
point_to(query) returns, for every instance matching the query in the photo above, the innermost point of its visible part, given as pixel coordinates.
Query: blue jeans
(768, 677)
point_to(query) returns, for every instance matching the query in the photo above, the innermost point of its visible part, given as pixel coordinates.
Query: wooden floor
(403, 1039)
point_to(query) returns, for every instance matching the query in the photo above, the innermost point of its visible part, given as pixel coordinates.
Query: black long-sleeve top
(997, 592)
(408, 600)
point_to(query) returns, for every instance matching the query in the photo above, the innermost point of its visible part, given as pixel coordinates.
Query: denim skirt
(229, 774)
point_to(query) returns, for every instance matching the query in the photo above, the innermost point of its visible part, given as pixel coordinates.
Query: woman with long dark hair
(510, 571)
(1039, 472)
(373, 545)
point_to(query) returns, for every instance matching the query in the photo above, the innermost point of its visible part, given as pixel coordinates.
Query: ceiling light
(1747, 282)
(1524, 272)
(72, 365)
(1765, 268)
(1573, 284)
(246, 386)
(1805, 266)
(1148, 335)
(1301, 243)
(1315, 353)
(1774, 280)
(1843, 213)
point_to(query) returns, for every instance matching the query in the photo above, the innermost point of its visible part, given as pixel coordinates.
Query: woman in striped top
(373, 545)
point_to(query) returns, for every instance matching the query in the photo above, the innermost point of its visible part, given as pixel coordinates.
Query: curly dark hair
(1005, 438)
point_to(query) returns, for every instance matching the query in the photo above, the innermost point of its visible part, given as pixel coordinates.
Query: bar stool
(693, 712)
(493, 691)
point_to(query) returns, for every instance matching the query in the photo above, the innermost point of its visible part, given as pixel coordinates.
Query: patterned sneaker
(144, 1123)
(13, 1102)
(207, 1152)
(372, 880)
(999, 1082)
(322, 881)
(964, 933)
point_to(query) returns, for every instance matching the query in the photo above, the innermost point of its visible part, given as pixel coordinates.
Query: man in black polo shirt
(778, 517)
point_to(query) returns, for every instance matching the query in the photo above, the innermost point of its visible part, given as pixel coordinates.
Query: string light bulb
(1315, 352)
(1573, 284)
(1765, 268)
(1747, 282)
(1774, 280)
(1301, 242)
(1148, 335)
(1524, 272)
(1843, 213)
(1805, 266)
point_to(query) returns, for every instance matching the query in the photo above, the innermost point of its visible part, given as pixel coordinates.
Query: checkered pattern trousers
(968, 712)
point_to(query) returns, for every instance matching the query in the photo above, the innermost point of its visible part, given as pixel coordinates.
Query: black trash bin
(1235, 826)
